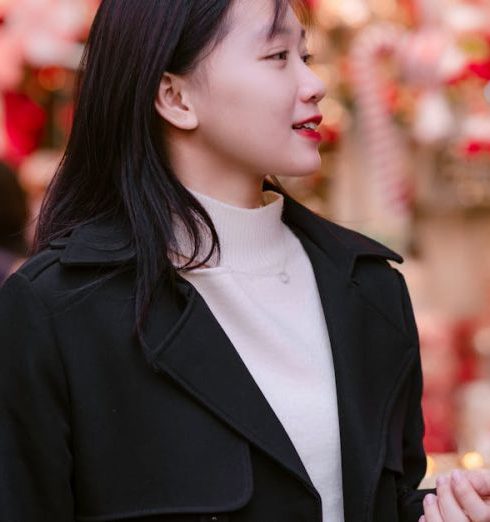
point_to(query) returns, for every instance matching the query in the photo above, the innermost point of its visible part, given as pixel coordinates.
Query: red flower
(475, 147)
(24, 125)
(330, 135)
(481, 69)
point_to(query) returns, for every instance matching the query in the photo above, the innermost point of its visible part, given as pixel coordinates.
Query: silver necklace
(282, 274)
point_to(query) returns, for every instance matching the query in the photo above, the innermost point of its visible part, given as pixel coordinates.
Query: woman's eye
(282, 55)
(307, 58)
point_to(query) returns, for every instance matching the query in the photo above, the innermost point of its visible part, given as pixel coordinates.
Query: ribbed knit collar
(250, 238)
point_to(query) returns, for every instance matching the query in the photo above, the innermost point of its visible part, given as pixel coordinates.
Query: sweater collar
(250, 238)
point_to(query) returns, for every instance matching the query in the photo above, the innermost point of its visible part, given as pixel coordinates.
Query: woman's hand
(462, 497)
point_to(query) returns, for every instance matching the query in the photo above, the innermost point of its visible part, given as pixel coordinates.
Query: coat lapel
(371, 354)
(198, 355)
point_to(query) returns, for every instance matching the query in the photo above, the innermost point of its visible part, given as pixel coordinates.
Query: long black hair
(115, 163)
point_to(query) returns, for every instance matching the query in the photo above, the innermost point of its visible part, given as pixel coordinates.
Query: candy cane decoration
(384, 142)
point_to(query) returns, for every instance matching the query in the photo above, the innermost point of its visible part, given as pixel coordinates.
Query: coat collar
(107, 242)
(371, 352)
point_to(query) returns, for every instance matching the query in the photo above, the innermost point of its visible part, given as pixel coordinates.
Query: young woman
(189, 343)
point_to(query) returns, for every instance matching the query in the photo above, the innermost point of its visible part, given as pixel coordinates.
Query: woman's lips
(310, 134)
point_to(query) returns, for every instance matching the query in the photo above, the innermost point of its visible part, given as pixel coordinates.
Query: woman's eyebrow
(264, 34)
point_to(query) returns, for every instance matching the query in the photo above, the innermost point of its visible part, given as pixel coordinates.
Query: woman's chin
(310, 164)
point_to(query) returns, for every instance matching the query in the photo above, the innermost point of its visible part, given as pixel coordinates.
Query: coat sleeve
(414, 458)
(35, 455)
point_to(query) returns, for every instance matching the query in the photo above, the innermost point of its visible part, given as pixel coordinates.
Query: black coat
(95, 428)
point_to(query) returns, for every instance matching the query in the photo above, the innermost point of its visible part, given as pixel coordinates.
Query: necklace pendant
(284, 277)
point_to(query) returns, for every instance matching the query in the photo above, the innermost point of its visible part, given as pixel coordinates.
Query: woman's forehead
(254, 20)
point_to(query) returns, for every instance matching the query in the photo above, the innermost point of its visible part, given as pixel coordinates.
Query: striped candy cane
(385, 146)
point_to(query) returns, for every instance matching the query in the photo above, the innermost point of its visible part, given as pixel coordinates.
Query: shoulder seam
(30, 273)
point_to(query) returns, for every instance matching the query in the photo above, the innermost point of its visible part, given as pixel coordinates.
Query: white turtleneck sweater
(278, 328)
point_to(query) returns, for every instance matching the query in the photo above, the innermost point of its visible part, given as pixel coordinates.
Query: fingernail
(457, 476)
(430, 499)
(422, 519)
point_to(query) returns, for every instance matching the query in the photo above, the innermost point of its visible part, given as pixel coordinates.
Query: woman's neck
(249, 237)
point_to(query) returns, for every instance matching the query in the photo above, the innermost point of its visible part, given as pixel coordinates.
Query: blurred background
(406, 160)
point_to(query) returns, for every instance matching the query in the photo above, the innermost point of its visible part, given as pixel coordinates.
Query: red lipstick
(314, 119)
(309, 131)
(311, 134)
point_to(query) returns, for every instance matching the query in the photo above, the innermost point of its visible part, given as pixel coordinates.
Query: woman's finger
(480, 480)
(468, 498)
(431, 509)
(449, 507)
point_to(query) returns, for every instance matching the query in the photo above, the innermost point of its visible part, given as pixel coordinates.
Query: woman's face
(255, 91)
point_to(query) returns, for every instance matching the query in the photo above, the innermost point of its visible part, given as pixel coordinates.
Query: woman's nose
(313, 88)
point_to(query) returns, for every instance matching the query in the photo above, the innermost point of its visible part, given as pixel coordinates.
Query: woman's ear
(173, 104)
